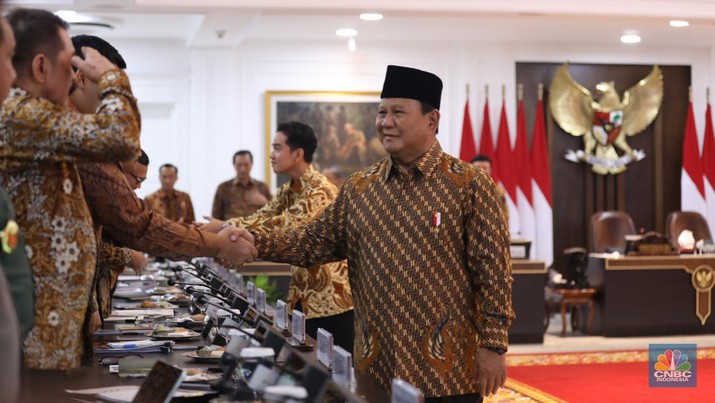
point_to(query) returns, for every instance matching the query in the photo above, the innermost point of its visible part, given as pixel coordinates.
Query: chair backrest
(678, 221)
(609, 229)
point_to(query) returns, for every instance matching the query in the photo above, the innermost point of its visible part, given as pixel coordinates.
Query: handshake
(236, 244)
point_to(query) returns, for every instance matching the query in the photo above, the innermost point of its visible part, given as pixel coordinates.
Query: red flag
(544, 248)
(521, 152)
(468, 149)
(505, 157)
(692, 191)
(708, 162)
(486, 146)
(540, 154)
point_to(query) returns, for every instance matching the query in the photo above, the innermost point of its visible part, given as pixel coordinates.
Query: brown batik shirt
(230, 199)
(322, 289)
(430, 268)
(173, 204)
(126, 219)
(41, 145)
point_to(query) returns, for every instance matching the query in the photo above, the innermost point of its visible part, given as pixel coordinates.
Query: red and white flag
(486, 144)
(692, 187)
(708, 162)
(541, 170)
(507, 170)
(467, 149)
(524, 178)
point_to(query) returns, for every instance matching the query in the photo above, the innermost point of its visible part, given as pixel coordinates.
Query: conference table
(50, 386)
(652, 295)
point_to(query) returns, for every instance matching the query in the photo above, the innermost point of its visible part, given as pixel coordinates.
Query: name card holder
(403, 392)
(251, 293)
(261, 300)
(298, 340)
(238, 284)
(342, 367)
(282, 318)
(325, 347)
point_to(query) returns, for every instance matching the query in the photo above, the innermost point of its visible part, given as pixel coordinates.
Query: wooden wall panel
(648, 190)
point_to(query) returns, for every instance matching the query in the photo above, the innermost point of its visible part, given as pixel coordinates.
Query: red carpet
(599, 377)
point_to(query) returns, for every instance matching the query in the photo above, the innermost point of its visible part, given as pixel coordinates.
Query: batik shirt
(230, 199)
(322, 289)
(430, 269)
(129, 222)
(40, 143)
(174, 205)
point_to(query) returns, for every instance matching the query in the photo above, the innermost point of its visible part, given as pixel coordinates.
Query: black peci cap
(406, 82)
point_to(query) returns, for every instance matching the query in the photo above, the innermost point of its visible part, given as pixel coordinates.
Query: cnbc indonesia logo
(672, 367)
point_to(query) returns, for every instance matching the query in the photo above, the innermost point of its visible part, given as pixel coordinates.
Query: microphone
(238, 301)
(201, 298)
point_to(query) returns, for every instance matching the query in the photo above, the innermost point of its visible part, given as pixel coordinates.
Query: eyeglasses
(137, 178)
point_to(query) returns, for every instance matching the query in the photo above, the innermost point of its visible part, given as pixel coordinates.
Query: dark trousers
(472, 398)
(341, 326)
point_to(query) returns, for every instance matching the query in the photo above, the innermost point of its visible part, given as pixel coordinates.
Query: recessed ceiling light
(679, 23)
(371, 16)
(346, 32)
(72, 16)
(631, 38)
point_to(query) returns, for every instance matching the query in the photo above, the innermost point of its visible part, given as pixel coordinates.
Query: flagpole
(541, 92)
(690, 94)
(503, 92)
(520, 92)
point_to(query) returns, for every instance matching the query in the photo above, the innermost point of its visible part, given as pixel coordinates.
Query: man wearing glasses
(135, 170)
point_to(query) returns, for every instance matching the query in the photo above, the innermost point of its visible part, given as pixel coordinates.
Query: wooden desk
(528, 301)
(652, 295)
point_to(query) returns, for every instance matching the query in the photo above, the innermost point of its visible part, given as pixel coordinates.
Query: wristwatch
(500, 351)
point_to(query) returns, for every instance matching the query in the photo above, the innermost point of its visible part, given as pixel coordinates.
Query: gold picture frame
(344, 123)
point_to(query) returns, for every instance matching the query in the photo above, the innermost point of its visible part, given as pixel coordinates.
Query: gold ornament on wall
(606, 123)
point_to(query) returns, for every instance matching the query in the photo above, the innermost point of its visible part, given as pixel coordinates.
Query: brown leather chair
(609, 229)
(678, 221)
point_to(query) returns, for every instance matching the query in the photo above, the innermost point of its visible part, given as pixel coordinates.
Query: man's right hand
(236, 246)
(93, 65)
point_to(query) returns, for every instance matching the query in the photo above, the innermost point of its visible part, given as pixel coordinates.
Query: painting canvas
(344, 124)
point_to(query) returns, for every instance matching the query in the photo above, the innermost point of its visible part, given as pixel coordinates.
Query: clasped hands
(237, 244)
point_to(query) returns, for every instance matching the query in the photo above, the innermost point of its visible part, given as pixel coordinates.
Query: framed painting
(344, 124)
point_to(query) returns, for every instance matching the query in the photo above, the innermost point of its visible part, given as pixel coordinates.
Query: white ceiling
(230, 22)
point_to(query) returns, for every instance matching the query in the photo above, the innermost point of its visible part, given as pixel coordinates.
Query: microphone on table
(238, 301)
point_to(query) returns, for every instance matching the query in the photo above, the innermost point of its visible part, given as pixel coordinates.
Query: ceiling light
(679, 23)
(346, 32)
(371, 16)
(71, 16)
(631, 38)
(352, 45)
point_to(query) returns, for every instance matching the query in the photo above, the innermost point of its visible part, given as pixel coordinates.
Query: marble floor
(578, 342)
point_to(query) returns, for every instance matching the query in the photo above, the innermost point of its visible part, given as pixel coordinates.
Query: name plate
(298, 326)
(251, 293)
(325, 347)
(403, 392)
(238, 283)
(342, 366)
(281, 315)
(260, 300)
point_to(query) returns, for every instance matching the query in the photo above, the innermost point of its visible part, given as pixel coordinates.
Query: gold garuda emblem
(606, 123)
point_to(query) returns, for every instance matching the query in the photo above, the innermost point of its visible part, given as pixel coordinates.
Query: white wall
(201, 105)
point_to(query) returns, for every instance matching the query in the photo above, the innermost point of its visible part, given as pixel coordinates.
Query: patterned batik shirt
(322, 289)
(129, 222)
(430, 268)
(40, 143)
(230, 199)
(174, 205)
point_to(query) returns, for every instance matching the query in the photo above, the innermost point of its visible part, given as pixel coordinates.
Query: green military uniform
(14, 262)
